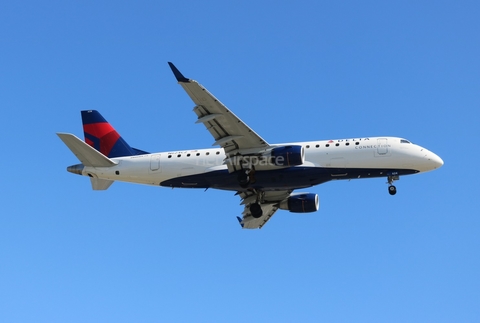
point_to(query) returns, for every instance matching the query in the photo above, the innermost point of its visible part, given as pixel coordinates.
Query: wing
(231, 133)
(269, 204)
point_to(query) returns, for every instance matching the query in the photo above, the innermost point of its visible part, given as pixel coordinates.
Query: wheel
(256, 210)
(392, 190)
(243, 179)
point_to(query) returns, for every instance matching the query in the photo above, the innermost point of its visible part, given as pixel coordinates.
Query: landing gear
(255, 207)
(256, 210)
(246, 177)
(392, 190)
(243, 179)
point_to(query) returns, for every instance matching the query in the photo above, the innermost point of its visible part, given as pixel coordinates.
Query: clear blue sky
(293, 71)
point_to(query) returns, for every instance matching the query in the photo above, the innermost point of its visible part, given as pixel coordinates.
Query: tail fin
(103, 137)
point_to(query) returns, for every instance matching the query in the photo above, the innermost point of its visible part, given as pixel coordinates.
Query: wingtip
(240, 221)
(179, 76)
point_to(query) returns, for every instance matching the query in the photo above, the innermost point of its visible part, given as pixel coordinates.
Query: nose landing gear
(392, 190)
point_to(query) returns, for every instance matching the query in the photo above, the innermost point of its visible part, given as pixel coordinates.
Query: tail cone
(76, 169)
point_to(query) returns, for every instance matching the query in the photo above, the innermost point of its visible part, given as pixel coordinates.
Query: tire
(256, 210)
(392, 190)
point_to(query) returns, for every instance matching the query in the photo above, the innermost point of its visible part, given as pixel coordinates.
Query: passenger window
(188, 155)
(317, 146)
(207, 153)
(347, 144)
(179, 155)
(308, 146)
(198, 154)
(169, 156)
(357, 143)
(218, 153)
(327, 145)
(337, 144)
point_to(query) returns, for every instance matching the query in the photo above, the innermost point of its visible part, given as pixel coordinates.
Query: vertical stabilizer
(103, 137)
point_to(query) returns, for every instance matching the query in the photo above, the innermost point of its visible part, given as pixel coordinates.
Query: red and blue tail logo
(102, 136)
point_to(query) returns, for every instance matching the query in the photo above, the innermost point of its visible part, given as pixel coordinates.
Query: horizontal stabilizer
(99, 184)
(88, 155)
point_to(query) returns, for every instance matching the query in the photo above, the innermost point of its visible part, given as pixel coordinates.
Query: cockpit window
(404, 141)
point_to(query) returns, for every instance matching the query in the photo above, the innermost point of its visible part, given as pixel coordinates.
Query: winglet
(179, 76)
(240, 221)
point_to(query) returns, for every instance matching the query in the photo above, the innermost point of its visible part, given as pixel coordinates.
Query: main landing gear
(246, 177)
(256, 210)
(243, 179)
(392, 190)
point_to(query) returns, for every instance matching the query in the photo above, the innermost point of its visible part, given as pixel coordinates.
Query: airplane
(263, 175)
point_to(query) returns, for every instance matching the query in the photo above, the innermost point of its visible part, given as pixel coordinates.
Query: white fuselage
(384, 153)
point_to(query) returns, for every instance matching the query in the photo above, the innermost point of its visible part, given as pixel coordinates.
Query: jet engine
(301, 203)
(288, 155)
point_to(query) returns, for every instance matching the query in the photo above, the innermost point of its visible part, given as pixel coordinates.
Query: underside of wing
(269, 202)
(249, 222)
(227, 129)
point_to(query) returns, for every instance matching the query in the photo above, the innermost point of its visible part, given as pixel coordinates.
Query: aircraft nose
(434, 160)
(439, 161)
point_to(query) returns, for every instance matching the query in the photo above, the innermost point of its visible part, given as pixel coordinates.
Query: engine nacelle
(301, 203)
(288, 155)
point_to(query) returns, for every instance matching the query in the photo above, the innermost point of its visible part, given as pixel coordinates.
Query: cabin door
(155, 163)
